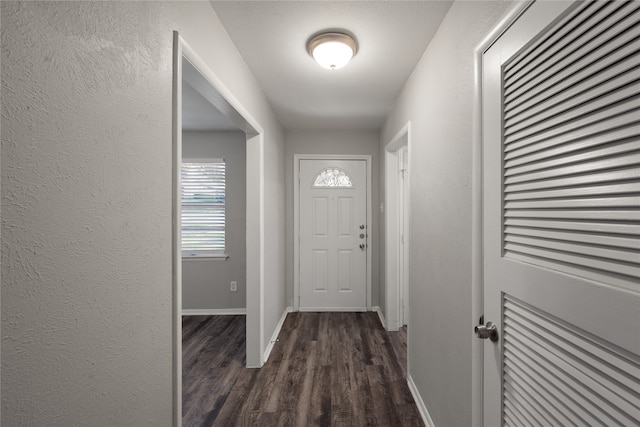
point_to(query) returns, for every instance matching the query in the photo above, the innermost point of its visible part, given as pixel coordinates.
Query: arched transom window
(332, 177)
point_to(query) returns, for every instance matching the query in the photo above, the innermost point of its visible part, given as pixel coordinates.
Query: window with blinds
(203, 208)
(571, 108)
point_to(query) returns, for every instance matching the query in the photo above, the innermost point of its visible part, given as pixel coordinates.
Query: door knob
(361, 226)
(489, 331)
(362, 246)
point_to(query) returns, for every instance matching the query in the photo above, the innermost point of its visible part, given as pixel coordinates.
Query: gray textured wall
(438, 99)
(86, 199)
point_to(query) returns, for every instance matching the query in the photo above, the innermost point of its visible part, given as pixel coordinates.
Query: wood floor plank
(304, 398)
(326, 369)
(383, 408)
(233, 408)
(320, 405)
(259, 396)
(324, 352)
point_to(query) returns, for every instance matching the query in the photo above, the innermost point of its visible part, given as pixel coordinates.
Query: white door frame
(231, 106)
(296, 218)
(477, 287)
(404, 211)
(393, 227)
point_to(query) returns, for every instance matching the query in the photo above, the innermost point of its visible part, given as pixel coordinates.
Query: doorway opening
(397, 225)
(191, 70)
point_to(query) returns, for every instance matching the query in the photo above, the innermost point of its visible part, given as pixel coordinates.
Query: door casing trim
(477, 286)
(392, 226)
(296, 218)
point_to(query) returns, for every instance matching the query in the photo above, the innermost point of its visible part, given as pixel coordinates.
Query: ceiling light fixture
(332, 50)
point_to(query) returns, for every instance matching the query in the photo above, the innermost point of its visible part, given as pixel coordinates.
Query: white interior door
(561, 217)
(333, 235)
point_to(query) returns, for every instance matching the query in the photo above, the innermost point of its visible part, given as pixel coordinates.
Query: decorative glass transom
(332, 177)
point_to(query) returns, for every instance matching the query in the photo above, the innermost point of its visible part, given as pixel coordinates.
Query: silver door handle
(489, 331)
(362, 246)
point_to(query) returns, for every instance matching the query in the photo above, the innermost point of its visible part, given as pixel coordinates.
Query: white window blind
(203, 208)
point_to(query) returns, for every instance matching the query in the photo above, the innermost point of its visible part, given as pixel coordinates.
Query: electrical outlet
(234, 286)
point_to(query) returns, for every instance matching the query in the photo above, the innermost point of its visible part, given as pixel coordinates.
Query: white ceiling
(271, 37)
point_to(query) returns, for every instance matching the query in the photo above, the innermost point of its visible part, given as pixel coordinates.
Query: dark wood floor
(327, 369)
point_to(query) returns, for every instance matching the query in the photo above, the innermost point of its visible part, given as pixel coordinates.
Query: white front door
(561, 217)
(333, 235)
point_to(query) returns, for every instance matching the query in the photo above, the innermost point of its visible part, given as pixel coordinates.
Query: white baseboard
(422, 408)
(333, 309)
(380, 315)
(213, 311)
(276, 332)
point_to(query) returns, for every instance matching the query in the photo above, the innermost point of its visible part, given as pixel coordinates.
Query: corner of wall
(276, 333)
(422, 407)
(380, 316)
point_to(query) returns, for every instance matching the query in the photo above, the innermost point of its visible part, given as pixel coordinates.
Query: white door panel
(561, 217)
(333, 235)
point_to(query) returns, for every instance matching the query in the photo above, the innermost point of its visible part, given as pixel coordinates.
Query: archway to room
(230, 144)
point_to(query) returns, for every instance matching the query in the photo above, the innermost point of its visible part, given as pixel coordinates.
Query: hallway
(521, 121)
(326, 369)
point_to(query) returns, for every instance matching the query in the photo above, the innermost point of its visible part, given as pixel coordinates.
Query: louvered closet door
(561, 216)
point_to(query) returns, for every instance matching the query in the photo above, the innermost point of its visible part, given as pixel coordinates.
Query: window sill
(204, 257)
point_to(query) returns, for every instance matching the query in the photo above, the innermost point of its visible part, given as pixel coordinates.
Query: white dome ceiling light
(332, 50)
